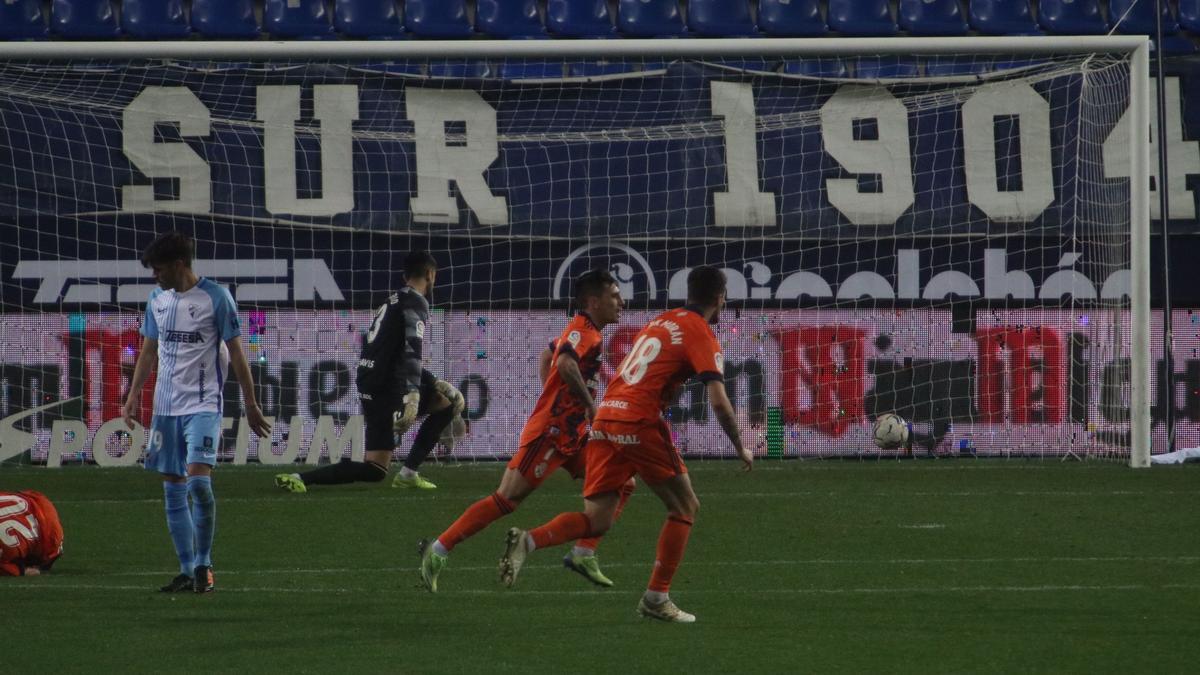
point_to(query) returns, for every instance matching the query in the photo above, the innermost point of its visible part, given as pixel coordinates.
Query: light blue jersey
(191, 329)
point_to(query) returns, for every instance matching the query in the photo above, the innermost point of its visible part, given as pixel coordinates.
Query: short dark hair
(591, 284)
(417, 263)
(705, 284)
(169, 247)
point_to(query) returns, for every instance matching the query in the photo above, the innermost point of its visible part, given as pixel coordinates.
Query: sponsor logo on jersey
(720, 359)
(574, 337)
(420, 330)
(619, 405)
(619, 439)
(189, 336)
(191, 310)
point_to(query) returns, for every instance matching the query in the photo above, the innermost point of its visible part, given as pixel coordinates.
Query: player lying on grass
(630, 437)
(554, 434)
(395, 390)
(31, 537)
(196, 322)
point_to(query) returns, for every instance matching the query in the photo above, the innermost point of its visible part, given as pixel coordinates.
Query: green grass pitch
(918, 566)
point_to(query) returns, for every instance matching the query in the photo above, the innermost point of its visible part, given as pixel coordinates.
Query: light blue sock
(179, 524)
(204, 515)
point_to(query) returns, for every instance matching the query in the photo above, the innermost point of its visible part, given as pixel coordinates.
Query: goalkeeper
(395, 391)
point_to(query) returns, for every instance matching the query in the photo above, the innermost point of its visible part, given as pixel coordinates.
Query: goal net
(940, 233)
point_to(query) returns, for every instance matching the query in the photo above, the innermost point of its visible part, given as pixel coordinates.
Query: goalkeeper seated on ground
(395, 390)
(31, 536)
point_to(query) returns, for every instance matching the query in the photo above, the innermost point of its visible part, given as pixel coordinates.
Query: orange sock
(565, 527)
(626, 490)
(477, 516)
(671, 543)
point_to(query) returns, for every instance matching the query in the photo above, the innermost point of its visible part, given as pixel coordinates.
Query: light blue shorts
(179, 440)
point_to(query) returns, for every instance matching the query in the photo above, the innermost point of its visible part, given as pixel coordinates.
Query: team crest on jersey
(420, 330)
(574, 337)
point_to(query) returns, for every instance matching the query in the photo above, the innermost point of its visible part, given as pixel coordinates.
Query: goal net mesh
(946, 238)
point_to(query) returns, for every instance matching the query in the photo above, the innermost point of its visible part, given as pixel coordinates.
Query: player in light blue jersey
(191, 328)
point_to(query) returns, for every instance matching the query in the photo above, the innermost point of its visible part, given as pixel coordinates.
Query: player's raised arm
(723, 409)
(241, 370)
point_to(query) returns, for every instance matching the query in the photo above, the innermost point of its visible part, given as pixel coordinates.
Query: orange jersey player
(31, 537)
(555, 434)
(630, 437)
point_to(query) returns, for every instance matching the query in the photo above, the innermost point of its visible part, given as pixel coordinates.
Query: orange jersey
(30, 534)
(558, 412)
(671, 349)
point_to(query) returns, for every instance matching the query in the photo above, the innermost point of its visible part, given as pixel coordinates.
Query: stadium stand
(932, 17)
(369, 19)
(816, 67)
(791, 18)
(307, 20)
(225, 19)
(509, 19)
(22, 20)
(598, 68)
(154, 19)
(84, 19)
(1189, 15)
(526, 19)
(579, 18)
(861, 18)
(885, 67)
(1002, 17)
(1072, 17)
(721, 18)
(438, 18)
(650, 18)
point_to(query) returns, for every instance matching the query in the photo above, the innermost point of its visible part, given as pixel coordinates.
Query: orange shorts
(619, 450)
(539, 458)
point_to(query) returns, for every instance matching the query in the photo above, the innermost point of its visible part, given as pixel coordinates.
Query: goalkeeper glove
(447, 390)
(402, 420)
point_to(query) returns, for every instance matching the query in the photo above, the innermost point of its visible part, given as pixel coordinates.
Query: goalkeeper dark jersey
(390, 363)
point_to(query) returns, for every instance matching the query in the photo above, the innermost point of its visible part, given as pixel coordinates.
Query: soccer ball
(890, 431)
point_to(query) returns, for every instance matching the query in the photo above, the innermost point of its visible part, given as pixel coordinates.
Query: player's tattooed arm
(544, 364)
(723, 409)
(568, 369)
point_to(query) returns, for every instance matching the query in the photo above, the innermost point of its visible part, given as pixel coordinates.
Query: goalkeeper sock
(427, 437)
(345, 471)
(204, 517)
(477, 516)
(179, 524)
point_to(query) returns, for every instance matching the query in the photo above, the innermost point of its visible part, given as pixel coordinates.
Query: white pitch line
(910, 590)
(730, 563)
(924, 526)
(318, 499)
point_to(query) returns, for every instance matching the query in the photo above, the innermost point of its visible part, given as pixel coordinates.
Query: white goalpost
(955, 229)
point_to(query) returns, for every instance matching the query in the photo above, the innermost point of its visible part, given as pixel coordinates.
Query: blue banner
(317, 178)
